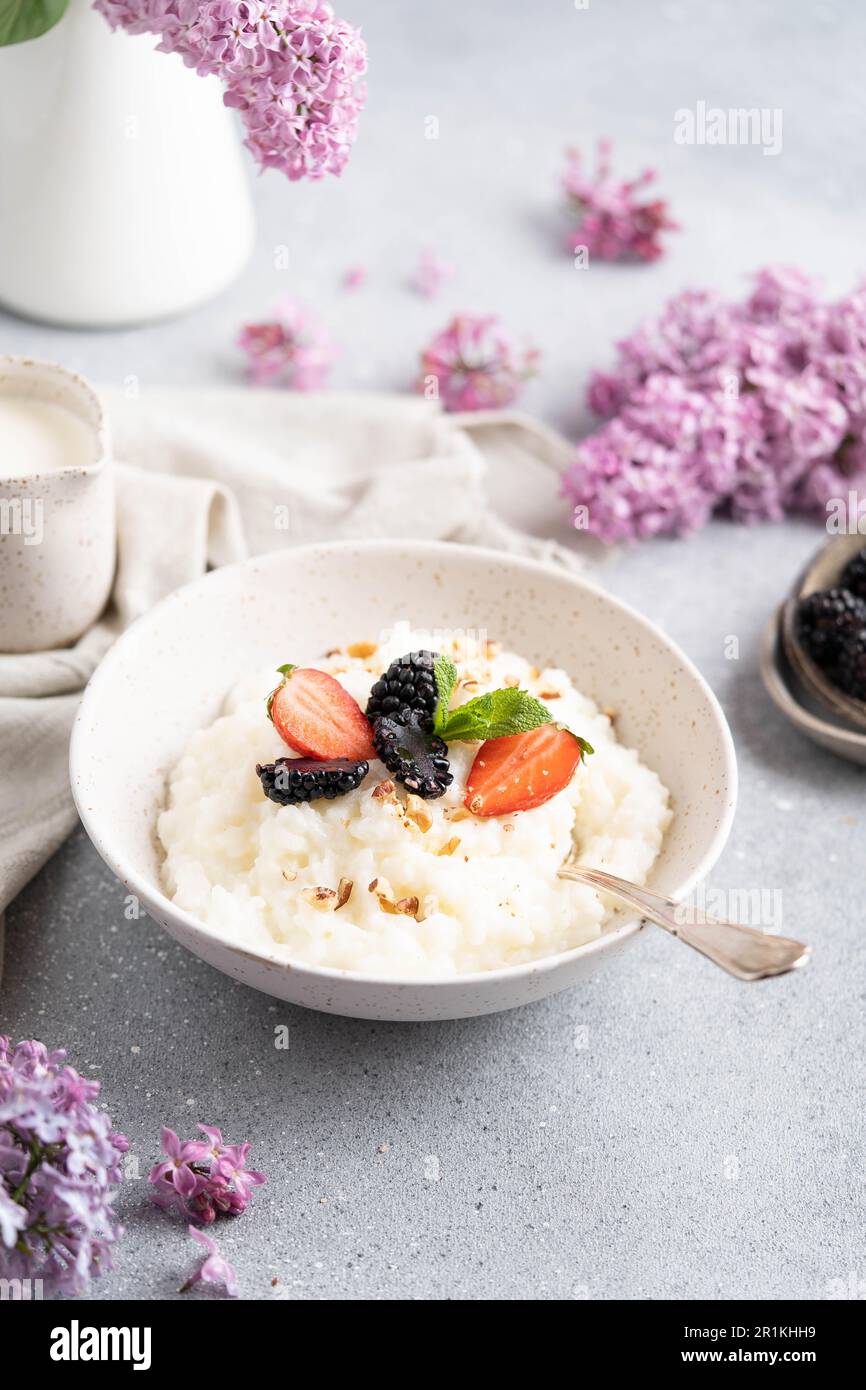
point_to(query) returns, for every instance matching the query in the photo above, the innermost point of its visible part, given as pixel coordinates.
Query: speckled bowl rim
(442, 551)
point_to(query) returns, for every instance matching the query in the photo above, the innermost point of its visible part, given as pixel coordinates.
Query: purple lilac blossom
(751, 410)
(475, 364)
(290, 68)
(59, 1160)
(203, 1179)
(291, 349)
(616, 221)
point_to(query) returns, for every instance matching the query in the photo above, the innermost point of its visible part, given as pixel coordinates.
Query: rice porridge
(433, 865)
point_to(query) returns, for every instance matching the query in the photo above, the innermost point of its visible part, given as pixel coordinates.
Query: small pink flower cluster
(292, 349)
(290, 67)
(203, 1179)
(616, 222)
(750, 410)
(474, 364)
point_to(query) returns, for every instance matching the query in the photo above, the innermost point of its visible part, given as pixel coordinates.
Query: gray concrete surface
(663, 1132)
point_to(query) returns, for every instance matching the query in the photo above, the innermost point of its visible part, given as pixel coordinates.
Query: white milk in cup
(57, 520)
(42, 436)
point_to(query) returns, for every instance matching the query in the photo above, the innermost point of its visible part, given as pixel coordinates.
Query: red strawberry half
(314, 715)
(521, 771)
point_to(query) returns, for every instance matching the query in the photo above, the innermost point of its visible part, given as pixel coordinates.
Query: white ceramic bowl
(170, 671)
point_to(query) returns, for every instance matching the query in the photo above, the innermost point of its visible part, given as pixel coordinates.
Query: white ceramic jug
(123, 193)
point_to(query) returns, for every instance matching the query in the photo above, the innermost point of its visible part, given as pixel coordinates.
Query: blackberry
(850, 673)
(408, 683)
(412, 753)
(291, 781)
(825, 620)
(854, 575)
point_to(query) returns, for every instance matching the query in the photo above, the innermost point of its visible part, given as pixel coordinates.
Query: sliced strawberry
(316, 716)
(520, 771)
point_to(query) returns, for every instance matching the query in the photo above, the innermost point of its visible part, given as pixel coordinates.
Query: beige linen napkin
(212, 476)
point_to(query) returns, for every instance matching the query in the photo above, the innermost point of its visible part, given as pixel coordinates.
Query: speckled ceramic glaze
(51, 590)
(169, 673)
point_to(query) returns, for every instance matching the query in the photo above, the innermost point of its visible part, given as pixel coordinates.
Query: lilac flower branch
(289, 67)
(749, 410)
(59, 1161)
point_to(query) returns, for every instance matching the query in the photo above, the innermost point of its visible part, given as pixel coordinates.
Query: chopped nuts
(511, 681)
(289, 875)
(456, 813)
(344, 893)
(550, 694)
(322, 898)
(371, 886)
(449, 845)
(328, 899)
(417, 812)
(384, 790)
(403, 907)
(475, 804)
(362, 649)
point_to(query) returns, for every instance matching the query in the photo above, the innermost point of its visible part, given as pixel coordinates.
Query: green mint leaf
(445, 676)
(27, 19)
(495, 715)
(285, 672)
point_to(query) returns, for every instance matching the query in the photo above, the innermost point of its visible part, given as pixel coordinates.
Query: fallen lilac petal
(214, 1269)
(430, 274)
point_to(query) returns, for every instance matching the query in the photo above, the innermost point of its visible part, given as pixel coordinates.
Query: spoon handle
(742, 951)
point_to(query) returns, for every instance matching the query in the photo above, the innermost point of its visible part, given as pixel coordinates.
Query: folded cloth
(212, 476)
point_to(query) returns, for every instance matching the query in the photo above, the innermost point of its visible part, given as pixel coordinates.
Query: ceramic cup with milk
(57, 521)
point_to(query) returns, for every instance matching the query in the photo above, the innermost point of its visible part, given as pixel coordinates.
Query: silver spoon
(742, 951)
